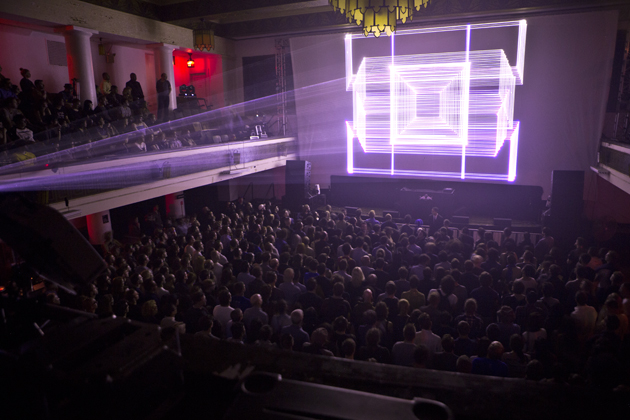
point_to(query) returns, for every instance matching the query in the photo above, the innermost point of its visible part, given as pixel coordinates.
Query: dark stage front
(411, 196)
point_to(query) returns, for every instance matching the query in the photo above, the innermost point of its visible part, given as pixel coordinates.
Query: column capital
(163, 46)
(68, 29)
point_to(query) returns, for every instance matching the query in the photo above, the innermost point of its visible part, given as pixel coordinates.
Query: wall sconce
(190, 63)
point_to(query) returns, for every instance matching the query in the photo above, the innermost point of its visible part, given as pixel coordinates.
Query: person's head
(256, 300)
(149, 309)
(425, 321)
(367, 296)
(338, 289)
(163, 76)
(319, 337)
(517, 343)
(409, 332)
(20, 121)
(493, 332)
(413, 282)
(434, 298)
(485, 279)
(434, 211)
(236, 315)
(518, 287)
(463, 364)
(506, 314)
(348, 347)
(106, 76)
(581, 298)
(447, 285)
(286, 341)
(420, 356)
(463, 328)
(470, 306)
(535, 371)
(238, 330)
(390, 288)
(382, 311)
(225, 297)
(448, 343)
(403, 307)
(297, 316)
(133, 77)
(373, 337)
(357, 276)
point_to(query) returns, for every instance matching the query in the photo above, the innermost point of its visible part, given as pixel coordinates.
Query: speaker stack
(297, 182)
(567, 203)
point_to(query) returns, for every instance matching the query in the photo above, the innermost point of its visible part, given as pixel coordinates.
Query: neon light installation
(458, 104)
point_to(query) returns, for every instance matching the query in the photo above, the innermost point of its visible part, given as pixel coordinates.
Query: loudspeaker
(460, 220)
(298, 182)
(567, 189)
(616, 81)
(501, 223)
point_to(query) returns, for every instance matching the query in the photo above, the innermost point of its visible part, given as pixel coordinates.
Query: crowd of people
(355, 287)
(40, 122)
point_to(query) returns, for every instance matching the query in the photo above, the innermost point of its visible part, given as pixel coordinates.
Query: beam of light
(63, 153)
(350, 139)
(430, 100)
(465, 102)
(457, 103)
(519, 69)
(434, 174)
(349, 76)
(513, 153)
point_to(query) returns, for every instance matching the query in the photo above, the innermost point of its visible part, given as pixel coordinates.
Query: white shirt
(432, 341)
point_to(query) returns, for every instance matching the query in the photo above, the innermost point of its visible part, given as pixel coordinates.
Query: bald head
(297, 316)
(256, 300)
(367, 296)
(288, 275)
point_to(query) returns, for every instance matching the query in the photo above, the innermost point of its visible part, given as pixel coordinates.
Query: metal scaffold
(282, 49)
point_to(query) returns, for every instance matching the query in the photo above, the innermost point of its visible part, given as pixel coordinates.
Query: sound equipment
(298, 182)
(460, 220)
(567, 188)
(501, 223)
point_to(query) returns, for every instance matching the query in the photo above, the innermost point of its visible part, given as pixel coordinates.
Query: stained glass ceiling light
(203, 37)
(378, 16)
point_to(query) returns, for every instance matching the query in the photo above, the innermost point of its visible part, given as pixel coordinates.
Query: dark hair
(421, 354)
(224, 298)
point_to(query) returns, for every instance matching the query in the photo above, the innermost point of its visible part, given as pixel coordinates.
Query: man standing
(105, 87)
(163, 88)
(436, 221)
(136, 89)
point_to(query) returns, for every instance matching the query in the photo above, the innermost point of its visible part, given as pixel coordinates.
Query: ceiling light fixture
(190, 63)
(378, 16)
(203, 37)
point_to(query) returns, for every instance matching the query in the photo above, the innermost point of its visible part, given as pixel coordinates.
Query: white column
(175, 205)
(80, 66)
(164, 64)
(98, 225)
